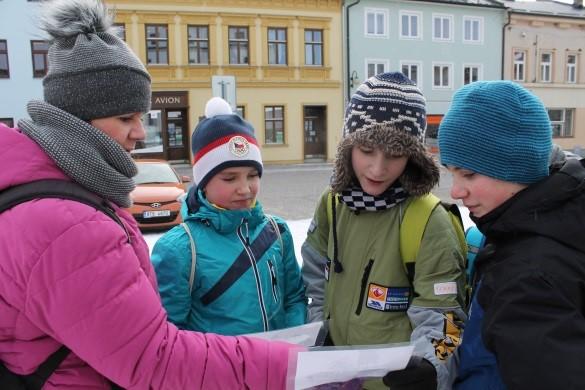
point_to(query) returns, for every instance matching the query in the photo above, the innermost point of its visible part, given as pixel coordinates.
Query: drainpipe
(347, 48)
(504, 41)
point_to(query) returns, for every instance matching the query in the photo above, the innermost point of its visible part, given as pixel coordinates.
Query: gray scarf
(84, 153)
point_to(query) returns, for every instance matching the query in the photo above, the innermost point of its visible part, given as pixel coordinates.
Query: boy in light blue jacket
(229, 268)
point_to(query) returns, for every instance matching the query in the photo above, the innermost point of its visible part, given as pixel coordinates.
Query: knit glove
(419, 374)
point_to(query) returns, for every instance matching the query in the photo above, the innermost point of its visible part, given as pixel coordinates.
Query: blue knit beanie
(498, 129)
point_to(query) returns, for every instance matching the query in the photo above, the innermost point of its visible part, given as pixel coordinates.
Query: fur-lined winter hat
(221, 140)
(387, 111)
(92, 73)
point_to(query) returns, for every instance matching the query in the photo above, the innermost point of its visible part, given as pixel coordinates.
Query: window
(545, 67)
(313, 47)
(412, 71)
(39, 50)
(241, 111)
(442, 27)
(376, 22)
(4, 69)
(441, 76)
(120, 30)
(561, 120)
(157, 47)
(374, 67)
(471, 73)
(410, 26)
(239, 45)
(472, 29)
(198, 42)
(519, 65)
(274, 123)
(277, 46)
(7, 121)
(571, 68)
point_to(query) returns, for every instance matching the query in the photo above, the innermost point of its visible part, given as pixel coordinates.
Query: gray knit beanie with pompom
(92, 73)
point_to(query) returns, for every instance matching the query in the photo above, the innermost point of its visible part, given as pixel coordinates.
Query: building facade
(23, 59)
(440, 45)
(277, 62)
(544, 44)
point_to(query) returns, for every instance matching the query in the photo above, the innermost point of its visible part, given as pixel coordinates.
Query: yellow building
(278, 62)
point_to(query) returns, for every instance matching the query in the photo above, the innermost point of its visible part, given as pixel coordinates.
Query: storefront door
(315, 132)
(177, 139)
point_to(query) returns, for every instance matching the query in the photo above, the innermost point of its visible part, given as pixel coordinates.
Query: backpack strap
(414, 223)
(61, 189)
(37, 379)
(193, 256)
(241, 264)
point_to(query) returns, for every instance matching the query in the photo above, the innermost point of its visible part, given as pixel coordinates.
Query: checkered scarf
(357, 200)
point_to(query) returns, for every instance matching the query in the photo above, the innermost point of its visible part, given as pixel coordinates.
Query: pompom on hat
(221, 140)
(498, 129)
(92, 72)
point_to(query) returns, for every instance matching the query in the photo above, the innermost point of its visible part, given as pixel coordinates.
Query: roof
(480, 3)
(545, 7)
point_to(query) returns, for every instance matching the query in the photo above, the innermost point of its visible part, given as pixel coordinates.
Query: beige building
(279, 63)
(544, 43)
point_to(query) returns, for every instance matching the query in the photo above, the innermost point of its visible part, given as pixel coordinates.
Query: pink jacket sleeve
(89, 291)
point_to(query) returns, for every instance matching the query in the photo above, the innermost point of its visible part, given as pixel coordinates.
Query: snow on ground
(299, 232)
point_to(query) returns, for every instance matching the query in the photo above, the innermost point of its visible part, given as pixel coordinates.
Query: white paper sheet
(304, 335)
(324, 365)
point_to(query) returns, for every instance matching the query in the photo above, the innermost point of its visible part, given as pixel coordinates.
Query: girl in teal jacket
(244, 277)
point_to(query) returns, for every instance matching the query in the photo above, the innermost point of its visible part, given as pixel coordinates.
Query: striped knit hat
(387, 98)
(221, 140)
(498, 129)
(387, 111)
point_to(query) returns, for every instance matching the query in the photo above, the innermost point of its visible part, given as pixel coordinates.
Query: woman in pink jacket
(71, 275)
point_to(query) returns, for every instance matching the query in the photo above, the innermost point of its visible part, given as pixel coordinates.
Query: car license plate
(156, 213)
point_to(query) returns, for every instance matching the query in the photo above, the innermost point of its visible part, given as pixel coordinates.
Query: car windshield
(149, 173)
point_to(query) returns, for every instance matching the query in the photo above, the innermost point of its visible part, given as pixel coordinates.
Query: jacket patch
(383, 298)
(446, 288)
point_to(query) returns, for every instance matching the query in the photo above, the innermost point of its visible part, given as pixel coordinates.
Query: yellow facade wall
(259, 84)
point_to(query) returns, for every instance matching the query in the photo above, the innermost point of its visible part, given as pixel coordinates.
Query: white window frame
(419, 72)
(419, 24)
(545, 68)
(449, 65)
(441, 17)
(479, 68)
(376, 12)
(480, 33)
(562, 123)
(516, 65)
(571, 69)
(375, 61)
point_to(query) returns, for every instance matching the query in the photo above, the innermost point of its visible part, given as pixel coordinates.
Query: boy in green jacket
(352, 266)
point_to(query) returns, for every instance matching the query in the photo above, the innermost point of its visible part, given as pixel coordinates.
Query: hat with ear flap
(222, 140)
(387, 111)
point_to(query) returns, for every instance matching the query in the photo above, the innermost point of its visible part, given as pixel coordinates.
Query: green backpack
(413, 226)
